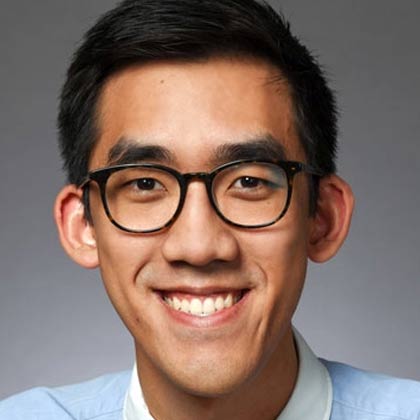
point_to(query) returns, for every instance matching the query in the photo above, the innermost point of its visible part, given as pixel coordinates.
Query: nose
(199, 237)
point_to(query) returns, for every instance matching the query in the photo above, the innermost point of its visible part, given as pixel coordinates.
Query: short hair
(140, 31)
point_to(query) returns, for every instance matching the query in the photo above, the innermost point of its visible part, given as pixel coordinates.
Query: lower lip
(210, 321)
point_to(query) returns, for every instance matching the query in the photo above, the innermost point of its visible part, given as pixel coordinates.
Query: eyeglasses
(145, 197)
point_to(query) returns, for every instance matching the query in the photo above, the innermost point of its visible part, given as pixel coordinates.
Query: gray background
(56, 325)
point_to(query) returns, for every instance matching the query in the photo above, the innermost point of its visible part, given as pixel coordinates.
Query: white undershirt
(311, 397)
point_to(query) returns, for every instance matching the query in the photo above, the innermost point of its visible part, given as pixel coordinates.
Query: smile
(202, 306)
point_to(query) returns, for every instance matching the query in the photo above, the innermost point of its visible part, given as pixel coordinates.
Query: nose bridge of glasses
(195, 175)
(204, 177)
(199, 176)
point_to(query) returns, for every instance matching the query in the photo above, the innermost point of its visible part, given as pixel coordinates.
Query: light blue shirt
(324, 390)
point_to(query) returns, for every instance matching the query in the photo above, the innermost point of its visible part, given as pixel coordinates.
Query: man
(199, 139)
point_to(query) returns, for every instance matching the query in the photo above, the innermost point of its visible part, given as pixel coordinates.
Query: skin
(206, 369)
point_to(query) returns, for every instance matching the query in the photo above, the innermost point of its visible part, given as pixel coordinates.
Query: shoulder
(358, 394)
(101, 398)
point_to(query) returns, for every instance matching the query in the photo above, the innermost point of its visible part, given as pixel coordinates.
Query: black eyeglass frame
(101, 176)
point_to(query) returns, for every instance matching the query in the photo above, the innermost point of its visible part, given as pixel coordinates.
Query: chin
(211, 384)
(210, 376)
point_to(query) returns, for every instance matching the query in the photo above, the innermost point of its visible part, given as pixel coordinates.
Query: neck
(262, 396)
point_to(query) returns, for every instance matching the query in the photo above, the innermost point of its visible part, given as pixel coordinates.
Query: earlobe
(331, 222)
(75, 232)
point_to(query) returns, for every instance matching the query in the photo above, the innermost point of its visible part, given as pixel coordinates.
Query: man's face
(195, 111)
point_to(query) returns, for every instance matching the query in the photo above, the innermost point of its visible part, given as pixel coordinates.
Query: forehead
(192, 109)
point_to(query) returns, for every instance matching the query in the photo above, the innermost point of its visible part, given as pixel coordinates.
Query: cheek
(282, 257)
(120, 253)
(121, 257)
(281, 248)
(280, 253)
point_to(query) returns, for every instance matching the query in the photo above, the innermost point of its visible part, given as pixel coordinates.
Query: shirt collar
(311, 397)
(135, 407)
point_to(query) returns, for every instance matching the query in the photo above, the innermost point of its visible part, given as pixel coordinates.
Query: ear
(330, 225)
(75, 232)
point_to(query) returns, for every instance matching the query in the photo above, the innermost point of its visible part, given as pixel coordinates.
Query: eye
(147, 184)
(250, 182)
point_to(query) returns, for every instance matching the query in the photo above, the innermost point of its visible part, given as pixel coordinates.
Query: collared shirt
(311, 397)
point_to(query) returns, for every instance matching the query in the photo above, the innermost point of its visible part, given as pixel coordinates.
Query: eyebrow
(265, 147)
(127, 151)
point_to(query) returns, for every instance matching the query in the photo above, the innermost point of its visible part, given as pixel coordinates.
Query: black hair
(139, 31)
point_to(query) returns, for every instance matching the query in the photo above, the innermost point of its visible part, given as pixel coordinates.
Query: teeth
(228, 301)
(219, 304)
(177, 303)
(208, 306)
(198, 307)
(185, 306)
